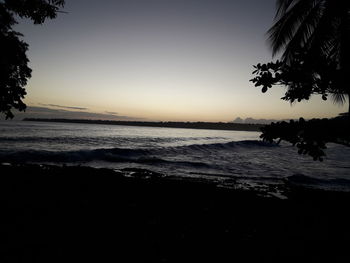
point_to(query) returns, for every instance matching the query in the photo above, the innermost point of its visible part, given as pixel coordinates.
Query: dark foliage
(14, 70)
(314, 37)
(303, 77)
(310, 136)
(319, 27)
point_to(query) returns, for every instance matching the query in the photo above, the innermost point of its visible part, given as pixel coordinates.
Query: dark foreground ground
(76, 214)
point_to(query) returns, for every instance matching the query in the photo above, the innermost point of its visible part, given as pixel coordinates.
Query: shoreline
(181, 125)
(52, 213)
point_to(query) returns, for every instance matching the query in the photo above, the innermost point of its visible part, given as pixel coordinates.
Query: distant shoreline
(184, 125)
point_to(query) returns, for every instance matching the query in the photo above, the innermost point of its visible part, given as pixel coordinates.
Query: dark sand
(77, 214)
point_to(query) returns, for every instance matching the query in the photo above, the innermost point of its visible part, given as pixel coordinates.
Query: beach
(61, 213)
(158, 131)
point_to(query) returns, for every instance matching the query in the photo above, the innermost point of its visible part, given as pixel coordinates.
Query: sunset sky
(168, 60)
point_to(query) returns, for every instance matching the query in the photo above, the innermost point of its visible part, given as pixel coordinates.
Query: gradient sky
(169, 60)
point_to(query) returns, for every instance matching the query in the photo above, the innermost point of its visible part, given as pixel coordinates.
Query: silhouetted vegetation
(302, 77)
(315, 39)
(168, 124)
(14, 70)
(309, 136)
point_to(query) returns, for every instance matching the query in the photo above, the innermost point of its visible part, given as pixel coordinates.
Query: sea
(233, 159)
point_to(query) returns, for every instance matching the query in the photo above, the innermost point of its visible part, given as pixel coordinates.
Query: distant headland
(186, 125)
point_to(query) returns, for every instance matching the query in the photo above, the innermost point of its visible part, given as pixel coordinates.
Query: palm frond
(303, 33)
(283, 5)
(284, 29)
(324, 37)
(338, 98)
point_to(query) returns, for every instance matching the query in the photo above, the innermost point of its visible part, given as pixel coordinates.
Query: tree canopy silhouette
(314, 36)
(14, 70)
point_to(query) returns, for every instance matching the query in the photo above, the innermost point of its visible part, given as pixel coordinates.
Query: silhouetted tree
(315, 38)
(14, 70)
(302, 77)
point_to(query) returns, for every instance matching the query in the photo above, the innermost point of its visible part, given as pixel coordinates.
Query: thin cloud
(111, 112)
(64, 107)
(49, 113)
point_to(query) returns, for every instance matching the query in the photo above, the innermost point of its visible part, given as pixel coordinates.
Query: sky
(158, 60)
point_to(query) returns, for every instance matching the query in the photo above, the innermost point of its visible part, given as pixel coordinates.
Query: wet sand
(64, 214)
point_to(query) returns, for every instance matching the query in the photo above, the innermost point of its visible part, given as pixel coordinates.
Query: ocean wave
(247, 144)
(148, 155)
